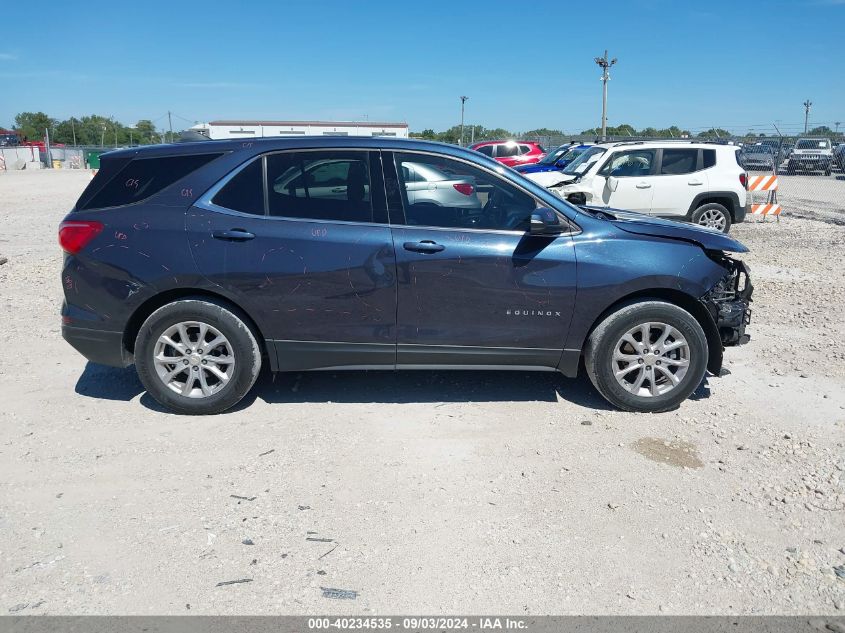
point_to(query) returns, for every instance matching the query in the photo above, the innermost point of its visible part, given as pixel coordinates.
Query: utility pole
(605, 65)
(47, 148)
(103, 136)
(836, 123)
(463, 101)
(807, 105)
(73, 129)
(170, 123)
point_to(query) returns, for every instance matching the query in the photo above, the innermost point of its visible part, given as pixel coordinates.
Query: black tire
(710, 207)
(244, 347)
(601, 345)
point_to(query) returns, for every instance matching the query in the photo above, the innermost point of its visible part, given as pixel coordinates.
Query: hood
(549, 178)
(640, 224)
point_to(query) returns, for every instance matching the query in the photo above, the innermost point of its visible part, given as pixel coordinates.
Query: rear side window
(679, 161)
(507, 149)
(326, 185)
(144, 177)
(709, 157)
(245, 191)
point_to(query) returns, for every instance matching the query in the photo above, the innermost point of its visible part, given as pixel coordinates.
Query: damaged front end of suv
(728, 301)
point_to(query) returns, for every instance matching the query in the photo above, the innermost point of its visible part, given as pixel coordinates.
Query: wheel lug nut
(185, 361)
(199, 351)
(658, 362)
(204, 362)
(640, 361)
(196, 368)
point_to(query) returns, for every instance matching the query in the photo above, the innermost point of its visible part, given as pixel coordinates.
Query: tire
(655, 397)
(222, 374)
(713, 215)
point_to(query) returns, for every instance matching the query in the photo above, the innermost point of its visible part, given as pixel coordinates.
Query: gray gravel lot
(426, 492)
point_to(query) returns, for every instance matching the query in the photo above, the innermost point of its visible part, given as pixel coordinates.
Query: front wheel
(712, 215)
(647, 357)
(196, 356)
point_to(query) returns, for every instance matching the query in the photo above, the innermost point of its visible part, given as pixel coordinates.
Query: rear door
(507, 153)
(300, 239)
(680, 177)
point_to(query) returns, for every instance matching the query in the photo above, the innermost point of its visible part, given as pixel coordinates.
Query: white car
(702, 183)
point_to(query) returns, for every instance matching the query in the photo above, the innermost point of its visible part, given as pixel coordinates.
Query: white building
(257, 129)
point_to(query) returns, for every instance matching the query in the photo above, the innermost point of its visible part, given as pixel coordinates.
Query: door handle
(643, 185)
(338, 189)
(695, 182)
(426, 246)
(233, 235)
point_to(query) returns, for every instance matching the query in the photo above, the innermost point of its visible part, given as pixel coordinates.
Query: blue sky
(523, 64)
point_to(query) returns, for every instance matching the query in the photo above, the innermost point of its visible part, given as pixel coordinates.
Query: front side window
(630, 164)
(325, 185)
(678, 161)
(487, 150)
(454, 194)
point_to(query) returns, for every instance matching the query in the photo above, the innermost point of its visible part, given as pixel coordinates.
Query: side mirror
(612, 183)
(544, 221)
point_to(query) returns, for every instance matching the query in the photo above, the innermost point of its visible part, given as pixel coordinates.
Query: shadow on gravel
(110, 383)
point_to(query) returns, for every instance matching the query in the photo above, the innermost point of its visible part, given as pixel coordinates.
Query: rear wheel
(647, 356)
(197, 357)
(712, 215)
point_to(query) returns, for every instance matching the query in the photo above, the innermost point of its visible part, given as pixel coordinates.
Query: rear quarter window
(139, 179)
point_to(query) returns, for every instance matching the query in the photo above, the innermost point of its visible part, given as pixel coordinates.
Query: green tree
(821, 130)
(31, 125)
(543, 131)
(714, 133)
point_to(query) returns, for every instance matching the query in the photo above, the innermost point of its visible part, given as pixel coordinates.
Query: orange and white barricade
(2, 164)
(767, 184)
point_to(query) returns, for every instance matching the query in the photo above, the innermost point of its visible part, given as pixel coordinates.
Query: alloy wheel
(194, 359)
(650, 359)
(713, 219)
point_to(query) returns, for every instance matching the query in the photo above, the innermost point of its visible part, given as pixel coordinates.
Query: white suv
(701, 183)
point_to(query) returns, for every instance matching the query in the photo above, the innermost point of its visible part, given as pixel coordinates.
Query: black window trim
(574, 229)
(205, 201)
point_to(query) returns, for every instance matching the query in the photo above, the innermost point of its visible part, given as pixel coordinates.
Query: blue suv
(201, 263)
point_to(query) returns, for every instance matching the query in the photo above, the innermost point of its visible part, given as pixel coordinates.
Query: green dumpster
(92, 158)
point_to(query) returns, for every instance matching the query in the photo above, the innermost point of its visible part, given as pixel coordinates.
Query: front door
(626, 180)
(307, 252)
(474, 287)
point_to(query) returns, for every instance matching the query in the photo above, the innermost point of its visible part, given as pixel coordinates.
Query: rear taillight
(464, 188)
(743, 180)
(74, 235)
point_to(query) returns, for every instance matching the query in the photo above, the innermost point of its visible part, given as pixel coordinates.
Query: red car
(511, 153)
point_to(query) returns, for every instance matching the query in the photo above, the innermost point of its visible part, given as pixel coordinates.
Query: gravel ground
(424, 492)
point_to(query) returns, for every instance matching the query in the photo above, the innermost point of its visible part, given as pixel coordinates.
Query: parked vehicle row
(702, 183)
(203, 262)
(511, 153)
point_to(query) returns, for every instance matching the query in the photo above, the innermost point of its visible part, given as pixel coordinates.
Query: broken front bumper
(728, 303)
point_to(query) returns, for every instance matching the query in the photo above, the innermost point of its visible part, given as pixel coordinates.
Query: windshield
(809, 143)
(586, 160)
(553, 156)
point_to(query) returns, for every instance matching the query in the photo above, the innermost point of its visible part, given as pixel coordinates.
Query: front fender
(614, 267)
